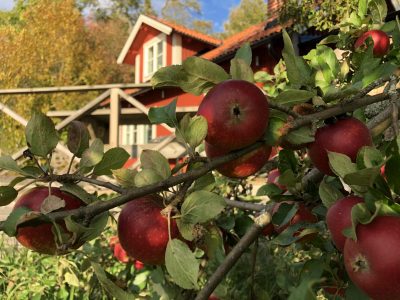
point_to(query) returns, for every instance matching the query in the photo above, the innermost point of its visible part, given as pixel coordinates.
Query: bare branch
(284, 109)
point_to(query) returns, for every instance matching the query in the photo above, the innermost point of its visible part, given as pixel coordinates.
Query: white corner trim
(176, 49)
(146, 20)
(137, 69)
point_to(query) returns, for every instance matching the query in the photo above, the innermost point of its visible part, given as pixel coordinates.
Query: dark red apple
(335, 291)
(40, 238)
(236, 112)
(143, 230)
(381, 42)
(345, 136)
(273, 178)
(120, 253)
(213, 297)
(303, 214)
(243, 166)
(338, 218)
(373, 261)
(268, 230)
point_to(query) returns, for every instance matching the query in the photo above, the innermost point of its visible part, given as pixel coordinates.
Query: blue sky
(215, 10)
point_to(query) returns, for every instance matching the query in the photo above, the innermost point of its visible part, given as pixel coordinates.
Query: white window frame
(146, 46)
(127, 134)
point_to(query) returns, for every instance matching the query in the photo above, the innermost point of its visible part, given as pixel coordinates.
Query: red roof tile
(251, 34)
(189, 32)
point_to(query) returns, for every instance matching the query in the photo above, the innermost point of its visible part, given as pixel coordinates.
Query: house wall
(191, 47)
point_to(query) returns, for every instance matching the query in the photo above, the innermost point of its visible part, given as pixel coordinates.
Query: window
(154, 55)
(136, 134)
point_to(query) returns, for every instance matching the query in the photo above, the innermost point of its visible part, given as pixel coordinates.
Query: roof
(252, 34)
(189, 32)
(166, 27)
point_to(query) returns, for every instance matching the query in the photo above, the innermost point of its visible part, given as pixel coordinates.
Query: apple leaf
(169, 76)
(328, 193)
(154, 160)
(78, 138)
(71, 279)
(204, 69)
(8, 163)
(269, 189)
(78, 192)
(292, 97)
(295, 232)
(369, 157)
(16, 180)
(214, 243)
(10, 224)
(7, 195)
(302, 135)
(41, 135)
(196, 131)
(364, 177)
(241, 70)
(201, 206)
(353, 292)
(113, 159)
(182, 264)
(51, 203)
(392, 168)
(287, 161)
(378, 10)
(359, 214)
(111, 288)
(284, 213)
(164, 114)
(125, 177)
(205, 182)
(244, 53)
(85, 234)
(298, 71)
(147, 177)
(341, 164)
(93, 155)
(185, 229)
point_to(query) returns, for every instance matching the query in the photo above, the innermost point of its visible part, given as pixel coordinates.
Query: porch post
(115, 110)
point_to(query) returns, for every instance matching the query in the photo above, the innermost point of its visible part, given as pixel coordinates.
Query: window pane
(150, 60)
(160, 55)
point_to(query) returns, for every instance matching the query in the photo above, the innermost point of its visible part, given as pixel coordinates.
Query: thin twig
(70, 164)
(245, 205)
(393, 99)
(253, 269)
(233, 256)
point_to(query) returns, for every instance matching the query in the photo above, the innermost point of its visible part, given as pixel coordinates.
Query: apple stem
(360, 264)
(169, 225)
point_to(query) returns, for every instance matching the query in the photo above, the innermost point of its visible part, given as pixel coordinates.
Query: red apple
(213, 297)
(303, 214)
(120, 253)
(373, 261)
(143, 230)
(334, 290)
(236, 112)
(273, 178)
(381, 42)
(346, 136)
(138, 265)
(113, 241)
(40, 238)
(338, 218)
(268, 230)
(243, 166)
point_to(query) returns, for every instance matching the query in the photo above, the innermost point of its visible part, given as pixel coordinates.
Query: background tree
(247, 13)
(187, 13)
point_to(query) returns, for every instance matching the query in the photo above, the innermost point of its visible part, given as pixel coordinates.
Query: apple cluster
(237, 116)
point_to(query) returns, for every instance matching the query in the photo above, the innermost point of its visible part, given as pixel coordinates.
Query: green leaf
(78, 192)
(359, 214)
(328, 193)
(305, 290)
(204, 69)
(364, 177)
(241, 70)
(341, 164)
(93, 155)
(362, 8)
(41, 135)
(113, 159)
(214, 243)
(78, 138)
(353, 292)
(287, 161)
(182, 264)
(7, 195)
(169, 76)
(196, 131)
(71, 279)
(8, 163)
(165, 114)
(85, 234)
(185, 229)
(110, 286)
(205, 182)
(244, 53)
(269, 189)
(201, 206)
(302, 135)
(147, 177)
(125, 177)
(298, 72)
(10, 224)
(154, 160)
(292, 97)
(378, 10)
